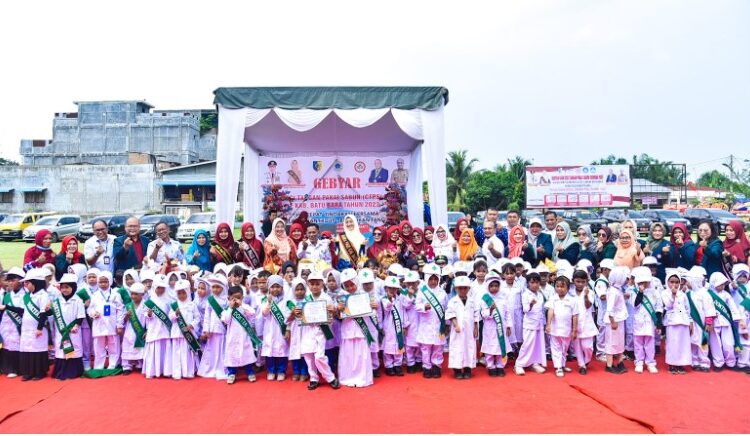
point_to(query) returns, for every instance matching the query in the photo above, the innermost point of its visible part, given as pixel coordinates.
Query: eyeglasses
(602, 235)
(377, 234)
(582, 234)
(100, 230)
(625, 238)
(441, 231)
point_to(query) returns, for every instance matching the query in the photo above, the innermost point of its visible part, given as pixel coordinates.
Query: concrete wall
(84, 189)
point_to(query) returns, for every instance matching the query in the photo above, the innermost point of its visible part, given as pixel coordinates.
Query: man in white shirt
(164, 247)
(492, 247)
(98, 249)
(314, 248)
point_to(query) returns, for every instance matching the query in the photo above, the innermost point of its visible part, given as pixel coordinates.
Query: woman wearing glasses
(605, 248)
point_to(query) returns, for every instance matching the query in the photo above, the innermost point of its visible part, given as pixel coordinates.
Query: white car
(59, 225)
(197, 221)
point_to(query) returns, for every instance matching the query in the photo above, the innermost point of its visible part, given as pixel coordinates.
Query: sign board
(649, 199)
(578, 186)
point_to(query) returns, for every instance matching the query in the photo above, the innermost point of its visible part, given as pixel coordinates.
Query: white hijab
(354, 236)
(445, 246)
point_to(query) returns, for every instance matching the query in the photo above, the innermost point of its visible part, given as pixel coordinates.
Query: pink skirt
(184, 359)
(355, 363)
(212, 362)
(679, 352)
(614, 340)
(157, 358)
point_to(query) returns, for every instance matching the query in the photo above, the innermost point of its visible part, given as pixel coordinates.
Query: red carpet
(596, 403)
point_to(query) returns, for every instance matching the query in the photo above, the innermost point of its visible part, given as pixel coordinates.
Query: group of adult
(541, 241)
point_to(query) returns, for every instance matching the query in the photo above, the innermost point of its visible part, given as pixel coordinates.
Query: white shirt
(171, 248)
(318, 251)
(563, 309)
(105, 261)
(495, 243)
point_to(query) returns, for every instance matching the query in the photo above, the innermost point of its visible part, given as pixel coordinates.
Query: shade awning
(32, 189)
(373, 97)
(5, 190)
(187, 182)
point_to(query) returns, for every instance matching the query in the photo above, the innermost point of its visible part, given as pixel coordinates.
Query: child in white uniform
(185, 318)
(562, 323)
(463, 314)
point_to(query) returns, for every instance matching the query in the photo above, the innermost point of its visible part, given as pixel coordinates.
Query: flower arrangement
(276, 199)
(394, 208)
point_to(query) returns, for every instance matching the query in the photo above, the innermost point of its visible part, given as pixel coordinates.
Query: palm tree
(517, 167)
(458, 168)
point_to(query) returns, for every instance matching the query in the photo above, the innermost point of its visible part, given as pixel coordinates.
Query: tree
(664, 173)
(458, 169)
(717, 179)
(208, 121)
(517, 167)
(489, 189)
(7, 162)
(610, 160)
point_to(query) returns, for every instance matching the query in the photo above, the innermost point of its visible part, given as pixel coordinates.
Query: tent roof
(369, 97)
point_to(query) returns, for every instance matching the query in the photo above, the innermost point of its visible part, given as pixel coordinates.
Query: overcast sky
(559, 82)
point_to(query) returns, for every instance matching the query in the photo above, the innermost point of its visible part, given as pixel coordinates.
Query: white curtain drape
(427, 160)
(229, 147)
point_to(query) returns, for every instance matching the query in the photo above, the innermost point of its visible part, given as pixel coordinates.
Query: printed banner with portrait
(329, 187)
(578, 186)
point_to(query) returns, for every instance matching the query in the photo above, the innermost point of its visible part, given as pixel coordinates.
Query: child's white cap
(697, 272)
(221, 280)
(366, 276)
(392, 282)
(462, 281)
(643, 276)
(583, 264)
(68, 278)
(541, 268)
(526, 266)
(16, 271)
(396, 269)
(717, 279)
(516, 261)
(315, 275)
(147, 274)
(607, 263)
(740, 268)
(94, 271)
(137, 288)
(347, 275)
(567, 273)
(673, 272)
(447, 270)
(411, 277)
(563, 264)
(650, 260)
(431, 269)
(182, 285)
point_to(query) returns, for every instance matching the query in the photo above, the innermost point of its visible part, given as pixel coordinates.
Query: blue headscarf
(204, 260)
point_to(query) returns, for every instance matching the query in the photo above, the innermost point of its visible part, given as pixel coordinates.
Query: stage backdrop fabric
(346, 122)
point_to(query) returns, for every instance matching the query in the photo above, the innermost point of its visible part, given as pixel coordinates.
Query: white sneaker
(519, 371)
(601, 357)
(271, 376)
(652, 369)
(539, 369)
(230, 379)
(566, 369)
(639, 368)
(281, 377)
(12, 375)
(482, 361)
(251, 378)
(559, 372)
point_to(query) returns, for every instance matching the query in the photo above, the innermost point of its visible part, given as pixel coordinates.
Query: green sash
(83, 295)
(697, 318)
(185, 330)
(16, 318)
(743, 293)
(649, 308)
(140, 331)
(240, 318)
(159, 314)
(327, 332)
(498, 323)
(65, 343)
(363, 325)
(276, 312)
(399, 327)
(215, 306)
(32, 308)
(723, 309)
(439, 311)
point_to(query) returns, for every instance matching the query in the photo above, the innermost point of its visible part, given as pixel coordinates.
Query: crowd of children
(504, 316)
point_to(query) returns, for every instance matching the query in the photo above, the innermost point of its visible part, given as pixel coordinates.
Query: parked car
(453, 218)
(197, 221)
(579, 217)
(59, 225)
(148, 223)
(668, 218)
(528, 214)
(618, 216)
(115, 226)
(718, 217)
(2, 217)
(13, 225)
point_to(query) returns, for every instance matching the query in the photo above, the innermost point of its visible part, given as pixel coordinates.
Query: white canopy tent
(343, 121)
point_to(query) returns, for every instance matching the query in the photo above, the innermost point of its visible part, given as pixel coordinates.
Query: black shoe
(312, 386)
(582, 370)
(411, 369)
(437, 372)
(335, 383)
(37, 378)
(718, 368)
(127, 372)
(500, 372)
(491, 372)
(427, 373)
(657, 350)
(467, 373)
(376, 373)
(681, 370)
(549, 357)
(621, 368)
(398, 371)
(390, 372)
(458, 374)
(672, 370)
(26, 378)
(418, 366)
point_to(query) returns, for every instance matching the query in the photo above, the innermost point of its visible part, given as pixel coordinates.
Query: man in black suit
(130, 248)
(379, 174)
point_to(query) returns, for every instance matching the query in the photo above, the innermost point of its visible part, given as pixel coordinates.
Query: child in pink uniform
(239, 347)
(615, 317)
(313, 341)
(496, 338)
(214, 331)
(394, 326)
(157, 356)
(413, 354)
(275, 333)
(678, 324)
(299, 367)
(132, 348)
(355, 360)
(646, 321)
(430, 305)
(184, 356)
(562, 323)
(583, 344)
(532, 348)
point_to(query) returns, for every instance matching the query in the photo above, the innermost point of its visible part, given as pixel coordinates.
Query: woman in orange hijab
(467, 245)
